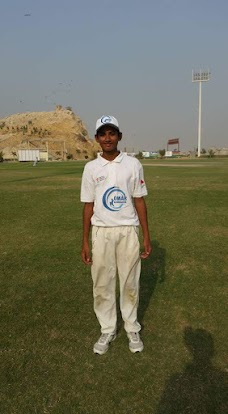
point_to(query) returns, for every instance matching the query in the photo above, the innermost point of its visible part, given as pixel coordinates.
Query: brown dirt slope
(61, 131)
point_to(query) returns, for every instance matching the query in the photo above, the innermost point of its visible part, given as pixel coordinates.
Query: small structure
(168, 153)
(150, 154)
(43, 155)
(220, 151)
(28, 155)
(146, 154)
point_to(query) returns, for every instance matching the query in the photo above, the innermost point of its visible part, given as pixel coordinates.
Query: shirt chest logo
(114, 199)
(99, 179)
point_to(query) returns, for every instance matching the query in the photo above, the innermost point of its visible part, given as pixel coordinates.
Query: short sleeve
(87, 186)
(140, 189)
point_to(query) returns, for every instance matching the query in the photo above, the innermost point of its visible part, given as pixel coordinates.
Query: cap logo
(106, 119)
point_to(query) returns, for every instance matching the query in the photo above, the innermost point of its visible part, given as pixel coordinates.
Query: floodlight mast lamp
(201, 76)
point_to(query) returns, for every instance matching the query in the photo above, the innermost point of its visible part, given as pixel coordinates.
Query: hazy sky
(129, 58)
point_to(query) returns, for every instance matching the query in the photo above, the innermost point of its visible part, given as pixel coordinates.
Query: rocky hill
(60, 132)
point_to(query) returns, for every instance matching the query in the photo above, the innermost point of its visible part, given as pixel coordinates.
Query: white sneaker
(101, 346)
(135, 342)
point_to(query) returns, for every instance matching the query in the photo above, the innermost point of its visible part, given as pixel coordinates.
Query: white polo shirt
(112, 185)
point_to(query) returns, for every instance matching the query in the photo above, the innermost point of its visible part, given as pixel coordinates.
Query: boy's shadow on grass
(153, 272)
(200, 388)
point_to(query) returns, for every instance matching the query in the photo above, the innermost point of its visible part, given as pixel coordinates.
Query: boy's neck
(110, 156)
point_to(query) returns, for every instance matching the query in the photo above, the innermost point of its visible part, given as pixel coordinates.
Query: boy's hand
(147, 249)
(85, 254)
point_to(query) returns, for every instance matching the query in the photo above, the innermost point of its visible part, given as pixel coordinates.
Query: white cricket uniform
(111, 186)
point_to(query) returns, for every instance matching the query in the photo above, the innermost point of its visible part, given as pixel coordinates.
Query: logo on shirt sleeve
(114, 199)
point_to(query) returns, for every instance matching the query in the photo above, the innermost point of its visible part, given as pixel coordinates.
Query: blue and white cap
(107, 120)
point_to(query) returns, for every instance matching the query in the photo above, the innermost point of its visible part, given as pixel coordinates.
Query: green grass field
(47, 322)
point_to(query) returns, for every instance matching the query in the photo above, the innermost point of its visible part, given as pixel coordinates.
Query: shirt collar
(103, 161)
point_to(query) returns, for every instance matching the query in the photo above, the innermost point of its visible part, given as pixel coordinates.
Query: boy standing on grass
(113, 191)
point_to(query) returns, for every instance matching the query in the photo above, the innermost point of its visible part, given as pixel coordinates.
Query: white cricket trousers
(116, 249)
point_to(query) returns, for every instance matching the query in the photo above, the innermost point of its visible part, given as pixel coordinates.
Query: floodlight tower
(201, 76)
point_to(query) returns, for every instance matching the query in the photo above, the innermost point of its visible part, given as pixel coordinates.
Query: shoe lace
(103, 338)
(135, 336)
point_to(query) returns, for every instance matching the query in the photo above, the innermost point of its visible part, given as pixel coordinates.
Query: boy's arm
(141, 209)
(87, 214)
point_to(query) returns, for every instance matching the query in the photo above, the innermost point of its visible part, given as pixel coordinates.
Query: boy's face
(108, 138)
